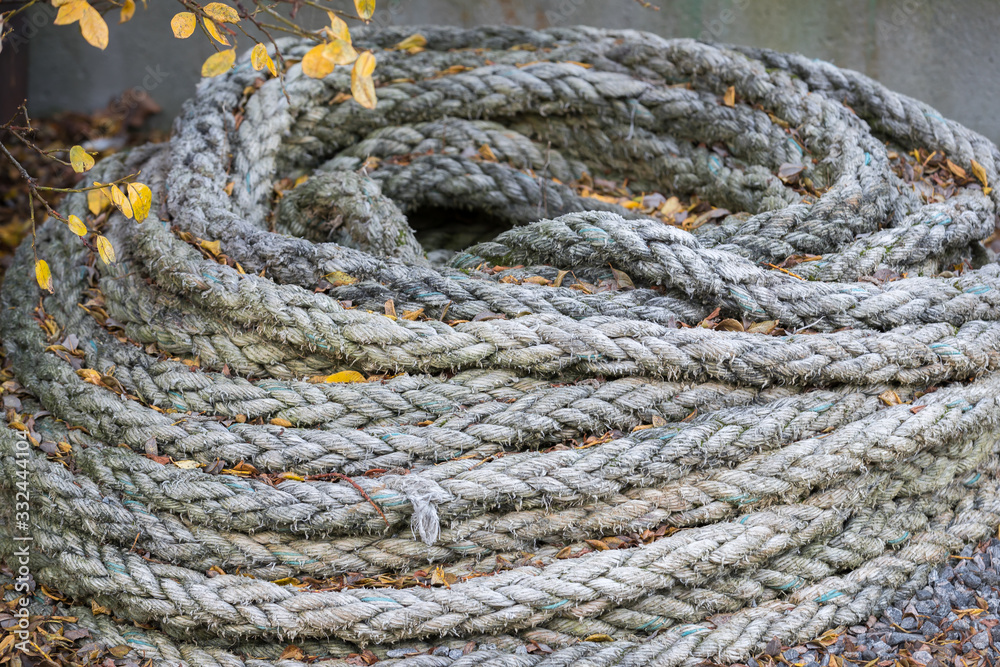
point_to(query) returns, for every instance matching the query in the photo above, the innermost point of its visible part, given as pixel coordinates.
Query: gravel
(952, 621)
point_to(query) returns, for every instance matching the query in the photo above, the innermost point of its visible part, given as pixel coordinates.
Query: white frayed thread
(423, 495)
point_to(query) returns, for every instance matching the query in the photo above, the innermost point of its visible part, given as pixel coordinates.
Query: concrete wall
(945, 53)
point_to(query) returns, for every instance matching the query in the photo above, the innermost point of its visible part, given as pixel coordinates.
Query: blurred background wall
(943, 52)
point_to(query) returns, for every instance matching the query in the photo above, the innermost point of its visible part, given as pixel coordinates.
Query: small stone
(971, 580)
(909, 623)
(868, 654)
(923, 657)
(894, 615)
(925, 593)
(930, 630)
(881, 648)
(791, 655)
(961, 624)
(896, 638)
(980, 640)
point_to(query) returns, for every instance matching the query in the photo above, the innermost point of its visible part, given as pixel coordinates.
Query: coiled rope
(785, 484)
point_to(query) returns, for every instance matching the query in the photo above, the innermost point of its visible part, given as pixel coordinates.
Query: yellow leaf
(80, 160)
(346, 376)
(278, 421)
(43, 275)
(76, 225)
(222, 13)
(365, 8)
(341, 52)
(980, 173)
(260, 59)
(218, 63)
(187, 465)
(93, 28)
(183, 25)
(730, 97)
(415, 40)
(141, 198)
(487, 153)
(365, 64)
(128, 11)
(362, 86)
(96, 201)
(214, 247)
(120, 201)
(105, 250)
(316, 64)
(338, 28)
(599, 638)
(214, 32)
(90, 375)
(889, 397)
(70, 12)
(339, 278)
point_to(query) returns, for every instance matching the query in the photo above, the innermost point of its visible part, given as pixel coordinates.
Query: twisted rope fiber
(807, 479)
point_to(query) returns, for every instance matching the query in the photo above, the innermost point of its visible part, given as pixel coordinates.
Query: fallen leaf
(339, 278)
(980, 173)
(415, 40)
(278, 421)
(729, 99)
(622, 278)
(346, 377)
(889, 397)
(214, 247)
(187, 464)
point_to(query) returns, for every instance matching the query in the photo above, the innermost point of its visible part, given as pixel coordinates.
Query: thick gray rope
(807, 479)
